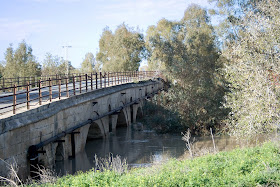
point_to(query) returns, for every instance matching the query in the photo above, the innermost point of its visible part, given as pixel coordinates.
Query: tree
(1, 69)
(229, 13)
(187, 50)
(21, 62)
(88, 64)
(122, 50)
(252, 62)
(11, 68)
(51, 65)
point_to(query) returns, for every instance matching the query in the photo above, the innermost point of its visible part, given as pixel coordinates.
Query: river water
(142, 148)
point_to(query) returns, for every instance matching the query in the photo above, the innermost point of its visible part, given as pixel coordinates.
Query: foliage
(51, 65)
(122, 50)
(160, 119)
(88, 64)
(252, 61)
(21, 62)
(229, 13)
(241, 167)
(186, 51)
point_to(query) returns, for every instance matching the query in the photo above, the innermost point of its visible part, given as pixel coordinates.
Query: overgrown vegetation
(252, 62)
(241, 167)
(187, 52)
(162, 120)
(222, 78)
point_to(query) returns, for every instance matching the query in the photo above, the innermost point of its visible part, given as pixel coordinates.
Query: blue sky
(47, 25)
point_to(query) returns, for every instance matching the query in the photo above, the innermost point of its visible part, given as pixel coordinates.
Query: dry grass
(112, 163)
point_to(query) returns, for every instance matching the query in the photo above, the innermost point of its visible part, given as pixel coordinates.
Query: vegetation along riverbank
(241, 167)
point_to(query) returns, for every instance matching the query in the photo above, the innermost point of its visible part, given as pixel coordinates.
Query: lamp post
(66, 58)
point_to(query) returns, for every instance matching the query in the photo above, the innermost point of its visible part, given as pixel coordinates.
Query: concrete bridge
(60, 129)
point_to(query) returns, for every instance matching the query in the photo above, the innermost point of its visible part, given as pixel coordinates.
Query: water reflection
(141, 148)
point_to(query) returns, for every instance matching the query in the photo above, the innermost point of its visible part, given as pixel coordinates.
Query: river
(143, 148)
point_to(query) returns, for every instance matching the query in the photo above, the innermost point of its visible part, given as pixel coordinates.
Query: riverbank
(241, 167)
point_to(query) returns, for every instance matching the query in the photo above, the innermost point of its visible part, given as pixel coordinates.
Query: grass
(241, 167)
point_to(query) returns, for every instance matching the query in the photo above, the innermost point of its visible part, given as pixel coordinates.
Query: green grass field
(241, 167)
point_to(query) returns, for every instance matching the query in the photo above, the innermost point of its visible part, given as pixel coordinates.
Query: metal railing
(36, 91)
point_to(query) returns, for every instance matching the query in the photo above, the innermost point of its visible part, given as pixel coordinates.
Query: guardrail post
(108, 79)
(27, 96)
(96, 80)
(14, 98)
(100, 81)
(118, 77)
(74, 86)
(67, 90)
(86, 82)
(80, 77)
(104, 80)
(40, 92)
(59, 88)
(50, 89)
(91, 82)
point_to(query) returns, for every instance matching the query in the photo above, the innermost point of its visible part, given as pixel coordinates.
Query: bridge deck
(18, 99)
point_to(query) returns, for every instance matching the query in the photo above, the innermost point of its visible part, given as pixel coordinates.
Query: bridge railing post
(96, 80)
(59, 87)
(67, 90)
(50, 89)
(27, 95)
(74, 85)
(104, 80)
(80, 78)
(86, 76)
(118, 77)
(108, 79)
(40, 92)
(14, 98)
(91, 82)
(100, 80)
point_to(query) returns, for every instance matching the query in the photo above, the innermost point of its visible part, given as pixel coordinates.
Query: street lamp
(66, 57)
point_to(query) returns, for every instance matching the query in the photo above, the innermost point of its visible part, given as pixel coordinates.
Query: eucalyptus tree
(122, 50)
(186, 50)
(88, 64)
(21, 62)
(51, 65)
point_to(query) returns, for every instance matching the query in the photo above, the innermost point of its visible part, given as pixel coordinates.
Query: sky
(47, 25)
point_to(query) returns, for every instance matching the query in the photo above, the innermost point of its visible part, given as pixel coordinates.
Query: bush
(161, 120)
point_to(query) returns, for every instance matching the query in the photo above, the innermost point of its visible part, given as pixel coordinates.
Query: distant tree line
(21, 62)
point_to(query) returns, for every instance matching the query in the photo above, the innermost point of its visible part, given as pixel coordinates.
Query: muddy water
(141, 148)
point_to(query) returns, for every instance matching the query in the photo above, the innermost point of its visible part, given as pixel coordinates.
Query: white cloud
(15, 30)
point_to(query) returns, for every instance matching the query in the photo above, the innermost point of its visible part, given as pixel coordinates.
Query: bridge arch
(95, 131)
(122, 120)
(59, 152)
